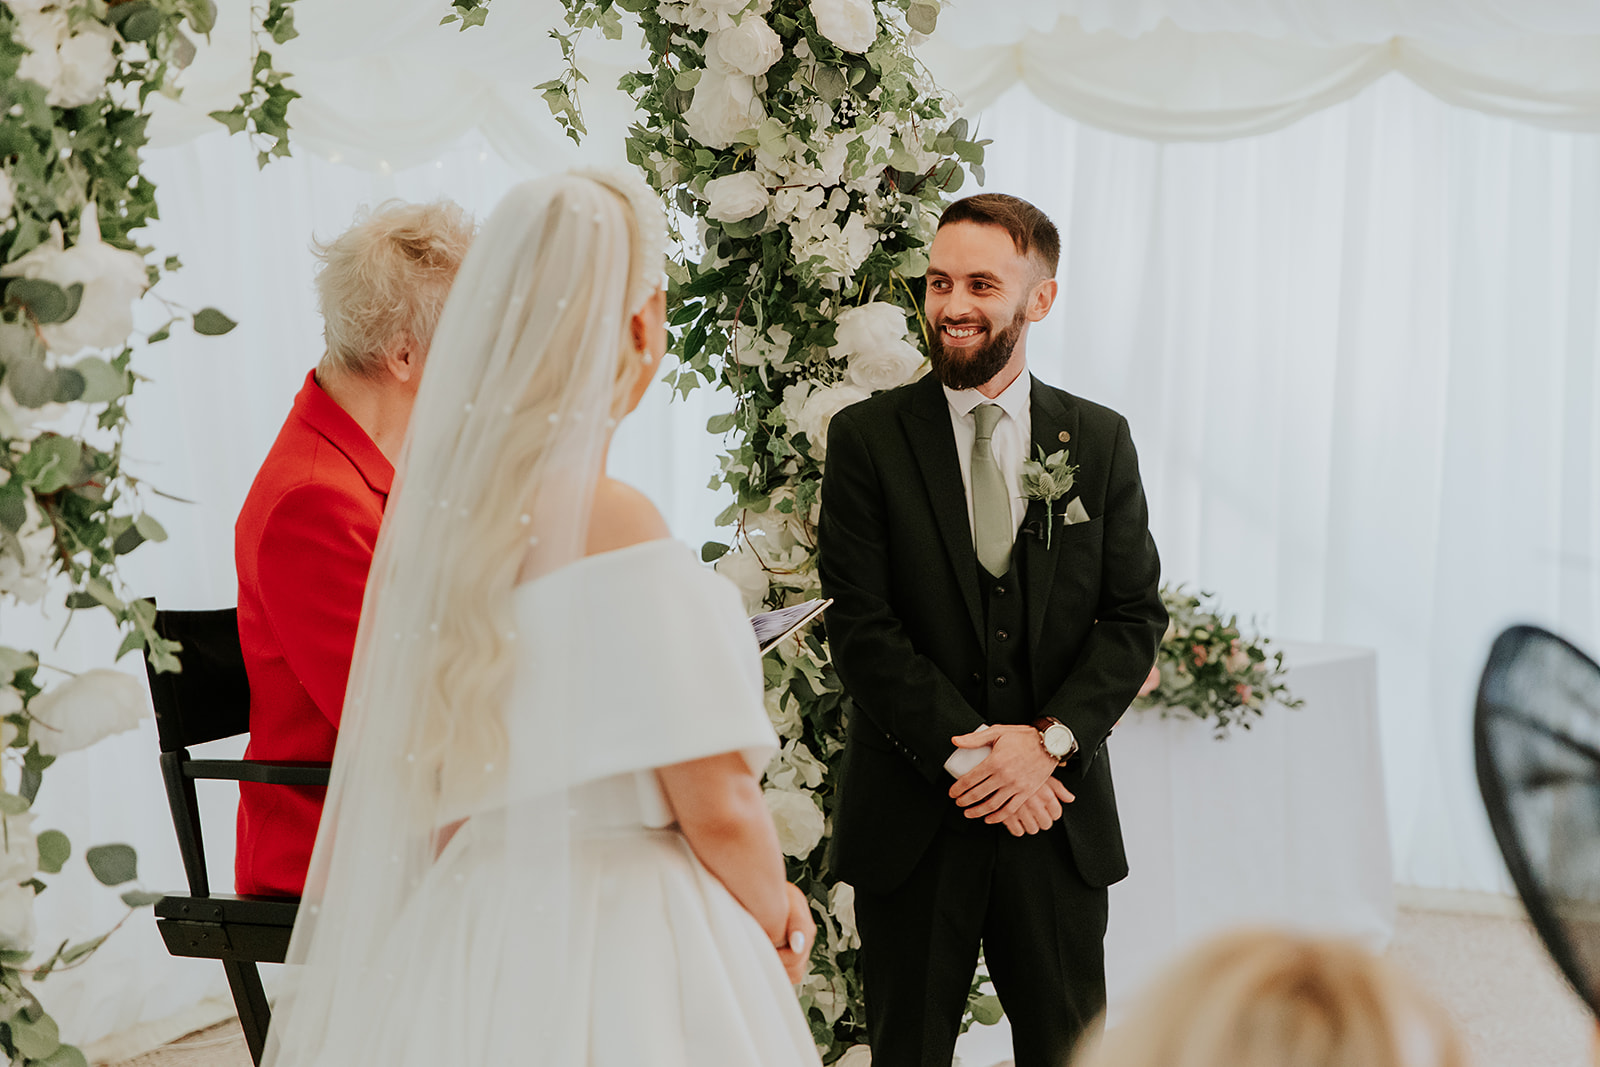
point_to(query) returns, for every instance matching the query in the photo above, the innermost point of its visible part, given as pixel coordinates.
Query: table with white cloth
(1282, 824)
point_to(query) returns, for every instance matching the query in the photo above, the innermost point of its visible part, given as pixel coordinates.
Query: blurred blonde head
(1259, 998)
(383, 282)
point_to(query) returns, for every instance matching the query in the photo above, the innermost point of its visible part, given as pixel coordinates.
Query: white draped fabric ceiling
(1359, 353)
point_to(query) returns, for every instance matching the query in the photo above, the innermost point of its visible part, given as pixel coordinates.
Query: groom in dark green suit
(989, 638)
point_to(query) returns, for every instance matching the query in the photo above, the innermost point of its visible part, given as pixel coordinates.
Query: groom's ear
(1042, 299)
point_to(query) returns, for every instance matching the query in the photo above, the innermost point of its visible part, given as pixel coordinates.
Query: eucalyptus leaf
(54, 851)
(149, 527)
(37, 1038)
(923, 17)
(77, 952)
(202, 16)
(113, 864)
(712, 551)
(46, 301)
(65, 1056)
(212, 323)
(11, 804)
(13, 506)
(721, 423)
(101, 381)
(140, 898)
(987, 1009)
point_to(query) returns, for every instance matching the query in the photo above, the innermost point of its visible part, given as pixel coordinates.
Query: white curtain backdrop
(1359, 353)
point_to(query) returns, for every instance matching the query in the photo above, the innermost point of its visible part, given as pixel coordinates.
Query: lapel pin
(1065, 437)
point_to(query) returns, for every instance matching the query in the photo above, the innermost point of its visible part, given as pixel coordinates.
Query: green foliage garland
(74, 79)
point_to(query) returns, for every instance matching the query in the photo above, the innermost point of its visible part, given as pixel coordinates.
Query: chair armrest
(289, 772)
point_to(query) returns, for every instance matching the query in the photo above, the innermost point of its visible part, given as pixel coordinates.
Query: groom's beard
(968, 368)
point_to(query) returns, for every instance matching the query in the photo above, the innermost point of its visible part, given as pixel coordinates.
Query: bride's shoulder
(623, 516)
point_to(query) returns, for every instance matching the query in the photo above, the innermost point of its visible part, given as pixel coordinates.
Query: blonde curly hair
(1267, 998)
(386, 278)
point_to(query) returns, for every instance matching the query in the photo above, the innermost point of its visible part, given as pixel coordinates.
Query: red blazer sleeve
(315, 550)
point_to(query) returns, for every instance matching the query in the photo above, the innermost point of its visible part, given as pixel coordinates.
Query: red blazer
(303, 545)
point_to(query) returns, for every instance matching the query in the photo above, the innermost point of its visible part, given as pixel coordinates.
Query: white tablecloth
(1282, 824)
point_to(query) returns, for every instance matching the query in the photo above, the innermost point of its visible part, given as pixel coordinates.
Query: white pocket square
(1074, 512)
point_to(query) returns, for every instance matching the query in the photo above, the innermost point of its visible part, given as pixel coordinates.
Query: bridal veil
(520, 392)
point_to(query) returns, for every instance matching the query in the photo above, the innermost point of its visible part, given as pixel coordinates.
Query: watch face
(1057, 740)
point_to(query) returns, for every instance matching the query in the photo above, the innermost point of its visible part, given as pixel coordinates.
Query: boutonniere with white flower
(1048, 478)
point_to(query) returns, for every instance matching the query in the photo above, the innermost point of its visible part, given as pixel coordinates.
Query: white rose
(809, 410)
(720, 14)
(16, 916)
(8, 194)
(736, 196)
(850, 24)
(795, 768)
(798, 820)
(724, 106)
(744, 570)
(783, 711)
(19, 859)
(855, 1056)
(842, 903)
(71, 65)
(751, 47)
(872, 338)
(796, 203)
(112, 280)
(82, 710)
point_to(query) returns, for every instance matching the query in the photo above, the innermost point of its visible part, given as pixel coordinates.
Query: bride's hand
(800, 930)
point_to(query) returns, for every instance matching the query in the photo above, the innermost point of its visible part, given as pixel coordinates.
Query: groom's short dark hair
(1031, 229)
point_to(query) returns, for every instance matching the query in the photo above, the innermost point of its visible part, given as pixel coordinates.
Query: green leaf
(923, 17)
(138, 21)
(721, 423)
(202, 16)
(687, 79)
(65, 1056)
(140, 898)
(212, 323)
(101, 381)
(35, 1039)
(13, 506)
(54, 851)
(234, 120)
(986, 1009)
(12, 804)
(83, 948)
(50, 463)
(149, 527)
(46, 301)
(712, 551)
(113, 864)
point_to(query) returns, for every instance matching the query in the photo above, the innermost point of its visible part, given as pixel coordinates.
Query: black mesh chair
(1537, 735)
(209, 700)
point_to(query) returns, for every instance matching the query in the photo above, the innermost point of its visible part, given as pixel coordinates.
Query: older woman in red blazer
(305, 537)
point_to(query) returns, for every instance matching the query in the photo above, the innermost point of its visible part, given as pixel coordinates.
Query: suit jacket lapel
(1051, 418)
(927, 426)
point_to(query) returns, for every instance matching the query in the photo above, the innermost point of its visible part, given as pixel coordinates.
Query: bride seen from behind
(545, 839)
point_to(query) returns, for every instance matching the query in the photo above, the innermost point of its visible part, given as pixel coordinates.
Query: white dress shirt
(1013, 437)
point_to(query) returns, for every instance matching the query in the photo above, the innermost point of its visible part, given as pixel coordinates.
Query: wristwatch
(1057, 738)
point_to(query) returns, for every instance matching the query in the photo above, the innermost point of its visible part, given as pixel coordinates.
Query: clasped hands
(1015, 786)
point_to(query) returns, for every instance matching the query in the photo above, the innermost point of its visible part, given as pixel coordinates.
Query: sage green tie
(992, 528)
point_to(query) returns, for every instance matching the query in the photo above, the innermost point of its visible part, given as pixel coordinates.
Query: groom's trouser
(1042, 932)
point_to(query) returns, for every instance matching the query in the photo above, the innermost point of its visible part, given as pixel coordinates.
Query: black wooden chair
(208, 700)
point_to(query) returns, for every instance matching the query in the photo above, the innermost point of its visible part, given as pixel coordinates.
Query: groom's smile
(977, 279)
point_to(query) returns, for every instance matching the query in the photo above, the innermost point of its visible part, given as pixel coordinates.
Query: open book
(773, 626)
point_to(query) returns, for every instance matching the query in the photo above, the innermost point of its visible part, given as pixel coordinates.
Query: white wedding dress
(652, 657)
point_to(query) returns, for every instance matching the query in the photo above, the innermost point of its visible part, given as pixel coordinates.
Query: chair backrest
(210, 697)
